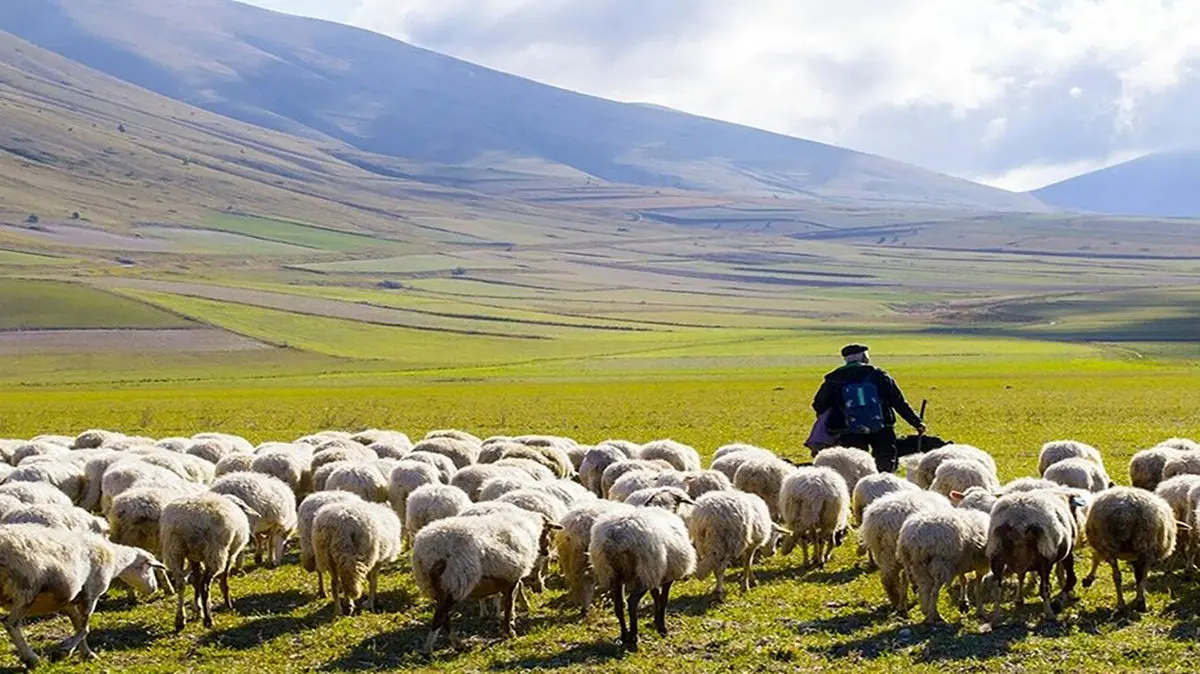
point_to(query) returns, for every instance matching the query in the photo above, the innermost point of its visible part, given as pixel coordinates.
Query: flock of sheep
(485, 519)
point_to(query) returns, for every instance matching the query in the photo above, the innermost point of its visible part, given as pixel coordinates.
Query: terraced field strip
(27, 304)
(294, 233)
(16, 258)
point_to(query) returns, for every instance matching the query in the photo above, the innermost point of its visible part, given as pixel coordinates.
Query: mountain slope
(327, 81)
(1163, 184)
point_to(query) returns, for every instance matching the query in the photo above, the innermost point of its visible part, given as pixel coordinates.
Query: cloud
(982, 89)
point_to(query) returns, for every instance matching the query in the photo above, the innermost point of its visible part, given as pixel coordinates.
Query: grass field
(32, 305)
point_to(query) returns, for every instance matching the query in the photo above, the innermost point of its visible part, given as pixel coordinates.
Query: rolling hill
(329, 82)
(1161, 184)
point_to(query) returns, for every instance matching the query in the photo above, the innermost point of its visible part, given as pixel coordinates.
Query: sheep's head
(839, 536)
(672, 499)
(546, 539)
(139, 574)
(778, 534)
(252, 515)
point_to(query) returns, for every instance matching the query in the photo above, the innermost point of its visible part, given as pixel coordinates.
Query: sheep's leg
(1116, 575)
(998, 573)
(335, 589)
(12, 624)
(1091, 577)
(372, 586)
(587, 591)
(206, 580)
(660, 608)
(893, 586)
(79, 620)
(804, 550)
(507, 626)
(1044, 591)
(964, 603)
(1067, 567)
(165, 577)
(719, 572)
(1139, 576)
(522, 598)
(747, 570)
(618, 598)
(932, 594)
(635, 598)
(789, 543)
(1021, 588)
(978, 584)
(441, 618)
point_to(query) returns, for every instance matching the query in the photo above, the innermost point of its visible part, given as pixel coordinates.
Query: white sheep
(735, 447)
(175, 444)
(238, 442)
(881, 524)
(430, 503)
(208, 531)
(702, 482)
(406, 477)
(352, 541)
(571, 546)
(471, 478)
(852, 464)
(1146, 466)
(1058, 450)
(305, 513)
(764, 478)
(136, 514)
(352, 452)
(1078, 474)
(1184, 463)
(728, 528)
(460, 452)
(1176, 491)
(69, 478)
(537, 501)
(631, 482)
(361, 479)
(614, 471)
(591, 470)
(937, 546)
(455, 434)
(960, 475)
(925, 468)
(234, 463)
(629, 448)
(815, 504)
(680, 456)
(729, 462)
(569, 492)
(211, 450)
(443, 464)
(667, 498)
(1022, 484)
(975, 498)
(67, 518)
(373, 436)
(1126, 523)
(286, 464)
(34, 448)
(639, 551)
(93, 438)
(535, 469)
(45, 571)
(496, 487)
(124, 475)
(34, 492)
(276, 508)
(872, 488)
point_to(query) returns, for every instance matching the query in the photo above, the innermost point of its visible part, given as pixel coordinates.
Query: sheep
(571, 546)
(569, 492)
(276, 508)
(667, 498)
(91, 439)
(189, 468)
(975, 498)
(537, 501)
(34, 493)
(680, 456)
(1146, 466)
(361, 479)
(496, 487)
(61, 440)
(873, 487)
(702, 482)
(1181, 444)
(234, 463)
(727, 528)
(177, 445)
(730, 462)
(1176, 491)
(34, 448)
(443, 464)
(1126, 523)
(671, 478)
(321, 475)
(1078, 474)
(7, 447)
(68, 478)
(548, 451)
(238, 442)
(135, 517)
(126, 474)
(45, 571)
(372, 436)
(925, 469)
(628, 448)
(851, 464)
(1034, 531)
(406, 477)
(646, 549)
(962, 474)
(734, 448)
(460, 452)
(351, 541)
(353, 452)
(1023, 484)
(536, 470)
(67, 518)
(211, 450)
(881, 524)
(209, 531)
(1058, 450)
(631, 482)
(1184, 463)
(304, 521)
(591, 470)
(9, 503)
(576, 453)
(476, 557)
(288, 465)
(763, 478)
(815, 504)
(937, 546)
(321, 437)
(614, 471)
(454, 434)
(429, 503)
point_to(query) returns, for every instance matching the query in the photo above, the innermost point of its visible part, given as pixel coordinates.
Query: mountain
(1165, 184)
(325, 81)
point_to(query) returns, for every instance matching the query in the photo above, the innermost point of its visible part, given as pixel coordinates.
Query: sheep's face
(140, 574)
(839, 536)
(546, 539)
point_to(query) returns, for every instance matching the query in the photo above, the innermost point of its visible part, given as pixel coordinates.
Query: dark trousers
(882, 445)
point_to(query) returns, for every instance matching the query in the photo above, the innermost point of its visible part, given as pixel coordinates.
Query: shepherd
(862, 402)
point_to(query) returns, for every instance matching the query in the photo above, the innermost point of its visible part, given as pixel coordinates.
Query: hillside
(1162, 184)
(327, 81)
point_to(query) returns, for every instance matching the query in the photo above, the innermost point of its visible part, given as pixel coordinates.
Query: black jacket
(829, 397)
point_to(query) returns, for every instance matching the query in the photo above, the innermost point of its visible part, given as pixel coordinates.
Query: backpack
(862, 408)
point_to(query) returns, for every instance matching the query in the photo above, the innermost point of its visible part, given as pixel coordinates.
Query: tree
(75, 215)
(32, 219)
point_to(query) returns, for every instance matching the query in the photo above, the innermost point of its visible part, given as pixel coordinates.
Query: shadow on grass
(270, 602)
(255, 632)
(124, 638)
(941, 643)
(387, 650)
(595, 653)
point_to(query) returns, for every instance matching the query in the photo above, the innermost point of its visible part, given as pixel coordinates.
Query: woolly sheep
(443, 464)
(287, 466)
(680, 456)
(815, 504)
(728, 528)
(9, 503)
(375, 435)
(187, 467)
(91, 439)
(211, 450)
(322, 437)
(1184, 463)
(496, 487)
(1034, 531)
(671, 478)
(429, 503)
(1058, 450)
(1126, 523)
(234, 463)
(351, 541)
(1176, 491)
(390, 449)
(7, 447)
(454, 434)
(1182, 444)
(537, 501)
(304, 523)
(460, 452)
(136, 514)
(66, 477)
(406, 477)
(631, 482)
(591, 470)
(354, 452)
(736, 447)
(873, 487)
(851, 464)
(276, 508)
(730, 462)
(702, 482)
(207, 531)
(476, 557)
(60, 440)
(362, 479)
(536, 470)
(45, 571)
(576, 453)
(962, 474)
(1146, 466)
(126, 474)
(321, 475)
(548, 451)
(614, 471)
(239, 443)
(177, 445)
(646, 549)
(763, 478)
(1078, 474)
(935, 547)
(881, 524)
(567, 491)
(34, 492)
(1023, 484)
(667, 498)
(571, 546)
(975, 498)
(926, 467)
(628, 448)
(33, 448)
(67, 518)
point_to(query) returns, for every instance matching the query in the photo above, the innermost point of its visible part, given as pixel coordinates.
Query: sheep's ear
(956, 496)
(550, 524)
(1077, 501)
(1182, 526)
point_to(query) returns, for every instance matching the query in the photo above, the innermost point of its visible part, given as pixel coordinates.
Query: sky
(1012, 93)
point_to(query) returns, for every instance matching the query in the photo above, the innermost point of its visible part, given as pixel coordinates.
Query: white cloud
(1003, 88)
(1033, 176)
